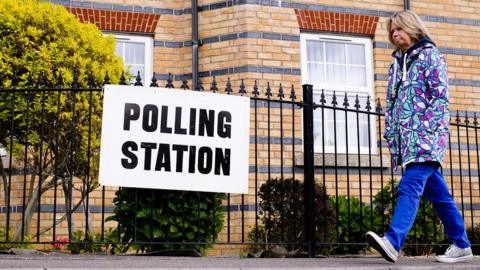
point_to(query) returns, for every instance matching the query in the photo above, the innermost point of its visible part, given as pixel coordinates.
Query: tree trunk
(62, 219)
(33, 203)
(31, 196)
(86, 210)
(30, 209)
(68, 204)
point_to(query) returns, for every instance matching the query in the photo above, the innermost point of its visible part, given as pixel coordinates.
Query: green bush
(37, 37)
(161, 216)
(353, 219)
(474, 237)
(85, 244)
(282, 203)
(426, 230)
(3, 238)
(39, 41)
(351, 228)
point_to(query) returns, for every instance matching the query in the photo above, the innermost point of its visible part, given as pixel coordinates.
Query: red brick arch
(112, 20)
(336, 22)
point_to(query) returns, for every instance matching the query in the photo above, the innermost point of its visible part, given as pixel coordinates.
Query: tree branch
(64, 217)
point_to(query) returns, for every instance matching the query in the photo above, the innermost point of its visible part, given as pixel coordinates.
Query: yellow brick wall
(286, 54)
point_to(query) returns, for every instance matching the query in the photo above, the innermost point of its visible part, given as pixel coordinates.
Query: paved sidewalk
(51, 262)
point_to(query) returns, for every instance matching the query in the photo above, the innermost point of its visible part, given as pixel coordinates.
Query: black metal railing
(50, 132)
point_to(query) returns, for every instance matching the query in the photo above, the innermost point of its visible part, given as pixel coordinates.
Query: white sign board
(173, 139)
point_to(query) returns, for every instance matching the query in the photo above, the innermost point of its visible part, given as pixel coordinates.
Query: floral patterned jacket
(417, 115)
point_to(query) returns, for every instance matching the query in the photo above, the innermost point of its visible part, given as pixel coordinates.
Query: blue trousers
(426, 179)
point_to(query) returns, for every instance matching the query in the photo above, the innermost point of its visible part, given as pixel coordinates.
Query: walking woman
(416, 130)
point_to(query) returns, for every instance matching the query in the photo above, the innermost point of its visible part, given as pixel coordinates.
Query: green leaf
(158, 233)
(190, 235)
(143, 213)
(173, 228)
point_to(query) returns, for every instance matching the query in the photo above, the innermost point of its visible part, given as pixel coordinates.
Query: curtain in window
(335, 64)
(357, 129)
(133, 55)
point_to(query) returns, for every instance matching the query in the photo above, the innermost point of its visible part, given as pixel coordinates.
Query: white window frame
(148, 41)
(3, 151)
(340, 90)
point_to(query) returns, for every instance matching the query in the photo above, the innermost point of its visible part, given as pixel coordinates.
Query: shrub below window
(353, 219)
(426, 230)
(474, 237)
(26, 243)
(283, 206)
(171, 220)
(282, 202)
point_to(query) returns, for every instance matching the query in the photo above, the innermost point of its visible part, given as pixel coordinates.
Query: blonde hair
(410, 22)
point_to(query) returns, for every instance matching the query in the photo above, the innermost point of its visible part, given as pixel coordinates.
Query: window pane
(364, 130)
(356, 54)
(316, 73)
(356, 134)
(134, 69)
(340, 65)
(134, 53)
(315, 51)
(336, 74)
(328, 128)
(335, 52)
(357, 76)
(119, 48)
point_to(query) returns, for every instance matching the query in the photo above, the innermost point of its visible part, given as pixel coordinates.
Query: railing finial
(242, 88)
(378, 108)
(123, 80)
(334, 99)
(106, 79)
(184, 83)
(293, 96)
(281, 95)
(357, 103)
(268, 93)
(154, 81)
(138, 80)
(368, 105)
(213, 85)
(255, 89)
(169, 81)
(228, 89)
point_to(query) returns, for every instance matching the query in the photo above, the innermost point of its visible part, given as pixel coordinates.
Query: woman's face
(401, 39)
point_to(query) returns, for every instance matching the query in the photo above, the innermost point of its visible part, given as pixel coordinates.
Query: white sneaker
(455, 254)
(382, 245)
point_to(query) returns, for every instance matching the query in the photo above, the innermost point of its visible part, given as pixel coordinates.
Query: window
(136, 52)
(340, 64)
(3, 151)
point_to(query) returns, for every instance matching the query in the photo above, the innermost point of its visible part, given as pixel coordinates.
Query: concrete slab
(78, 262)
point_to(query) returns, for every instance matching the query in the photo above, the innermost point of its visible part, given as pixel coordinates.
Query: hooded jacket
(417, 115)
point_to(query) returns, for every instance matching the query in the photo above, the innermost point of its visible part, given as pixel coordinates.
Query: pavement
(370, 262)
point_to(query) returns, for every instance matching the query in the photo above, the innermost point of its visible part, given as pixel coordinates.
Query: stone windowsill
(6, 162)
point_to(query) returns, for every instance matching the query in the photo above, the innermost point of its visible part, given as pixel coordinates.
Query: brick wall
(336, 22)
(261, 41)
(261, 31)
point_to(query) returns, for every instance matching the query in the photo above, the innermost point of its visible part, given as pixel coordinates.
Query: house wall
(265, 34)
(260, 40)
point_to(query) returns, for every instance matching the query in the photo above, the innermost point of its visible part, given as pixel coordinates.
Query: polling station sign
(174, 139)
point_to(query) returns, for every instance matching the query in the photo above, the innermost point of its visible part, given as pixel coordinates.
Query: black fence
(316, 187)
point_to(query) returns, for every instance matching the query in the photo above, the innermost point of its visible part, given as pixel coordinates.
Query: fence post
(309, 174)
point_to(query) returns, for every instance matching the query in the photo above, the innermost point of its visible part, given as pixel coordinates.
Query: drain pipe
(195, 45)
(406, 4)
